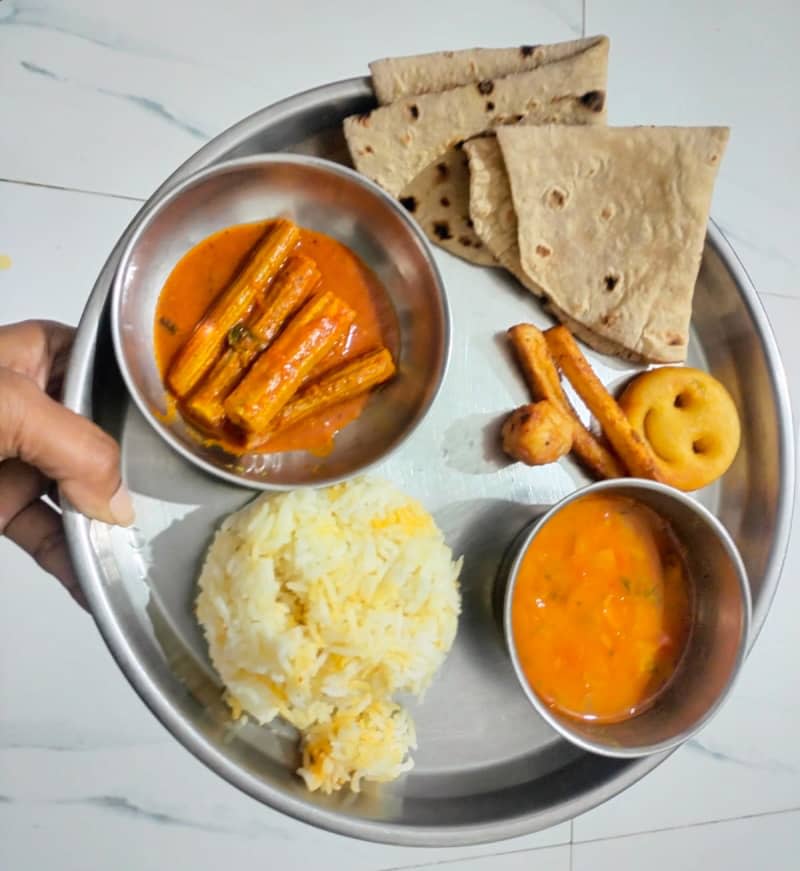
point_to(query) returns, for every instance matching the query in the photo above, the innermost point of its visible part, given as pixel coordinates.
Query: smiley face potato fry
(689, 421)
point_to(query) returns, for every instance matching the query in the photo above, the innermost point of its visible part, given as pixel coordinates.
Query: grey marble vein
(149, 105)
(41, 71)
(769, 765)
(121, 805)
(159, 109)
(69, 23)
(56, 747)
(22, 735)
(125, 807)
(560, 10)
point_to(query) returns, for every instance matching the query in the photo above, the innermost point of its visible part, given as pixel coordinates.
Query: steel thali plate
(487, 766)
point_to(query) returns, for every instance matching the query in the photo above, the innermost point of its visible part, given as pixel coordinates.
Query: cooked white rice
(320, 605)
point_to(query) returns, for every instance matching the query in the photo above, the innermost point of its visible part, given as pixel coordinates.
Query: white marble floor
(99, 101)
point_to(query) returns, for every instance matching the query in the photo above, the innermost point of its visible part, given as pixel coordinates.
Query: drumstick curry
(270, 337)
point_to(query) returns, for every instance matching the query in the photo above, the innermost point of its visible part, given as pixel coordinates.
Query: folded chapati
(397, 77)
(411, 148)
(393, 144)
(491, 208)
(439, 200)
(611, 227)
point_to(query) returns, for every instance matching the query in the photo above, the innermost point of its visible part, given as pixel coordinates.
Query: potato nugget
(689, 421)
(537, 434)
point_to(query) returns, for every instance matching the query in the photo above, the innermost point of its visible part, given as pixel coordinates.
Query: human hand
(42, 442)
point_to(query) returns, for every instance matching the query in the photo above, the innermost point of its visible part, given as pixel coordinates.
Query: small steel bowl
(717, 643)
(322, 196)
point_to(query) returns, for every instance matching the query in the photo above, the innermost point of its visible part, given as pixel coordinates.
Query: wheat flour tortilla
(438, 194)
(394, 144)
(397, 77)
(492, 212)
(612, 224)
(491, 207)
(439, 200)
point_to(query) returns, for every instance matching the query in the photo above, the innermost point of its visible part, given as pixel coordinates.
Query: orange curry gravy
(602, 608)
(208, 267)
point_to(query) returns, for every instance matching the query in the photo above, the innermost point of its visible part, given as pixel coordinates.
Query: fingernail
(122, 507)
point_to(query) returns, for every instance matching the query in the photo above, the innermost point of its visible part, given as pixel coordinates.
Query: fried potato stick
(541, 374)
(629, 445)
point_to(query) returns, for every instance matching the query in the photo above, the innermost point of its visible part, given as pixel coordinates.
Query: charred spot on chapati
(594, 100)
(441, 230)
(556, 198)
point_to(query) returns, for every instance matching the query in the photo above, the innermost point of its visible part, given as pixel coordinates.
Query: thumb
(64, 446)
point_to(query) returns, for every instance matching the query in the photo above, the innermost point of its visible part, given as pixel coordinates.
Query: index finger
(36, 348)
(64, 446)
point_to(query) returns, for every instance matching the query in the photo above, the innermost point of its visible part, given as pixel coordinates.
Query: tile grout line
(583, 18)
(65, 189)
(442, 863)
(741, 262)
(776, 294)
(759, 293)
(697, 825)
(572, 821)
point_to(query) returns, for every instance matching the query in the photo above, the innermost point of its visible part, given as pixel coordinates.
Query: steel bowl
(322, 196)
(717, 643)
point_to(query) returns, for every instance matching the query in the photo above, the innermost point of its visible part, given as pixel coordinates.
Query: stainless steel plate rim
(728, 544)
(81, 533)
(161, 201)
